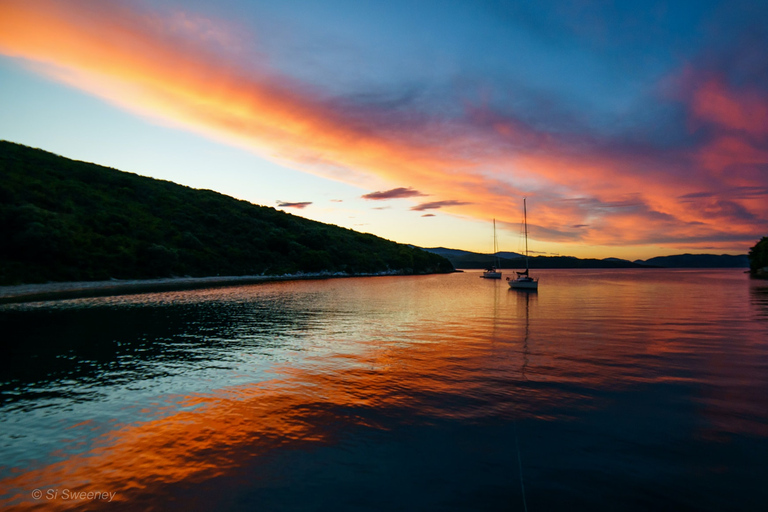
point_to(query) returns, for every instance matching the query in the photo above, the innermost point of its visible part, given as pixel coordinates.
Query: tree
(758, 258)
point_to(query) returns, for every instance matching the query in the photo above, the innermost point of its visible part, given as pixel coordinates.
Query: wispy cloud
(695, 153)
(395, 193)
(434, 205)
(300, 205)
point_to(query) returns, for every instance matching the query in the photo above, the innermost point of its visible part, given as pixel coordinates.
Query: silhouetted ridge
(65, 220)
(471, 260)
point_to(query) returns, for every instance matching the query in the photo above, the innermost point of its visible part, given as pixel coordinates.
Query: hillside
(65, 220)
(699, 261)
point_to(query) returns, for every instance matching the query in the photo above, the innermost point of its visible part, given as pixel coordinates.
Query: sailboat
(523, 281)
(492, 272)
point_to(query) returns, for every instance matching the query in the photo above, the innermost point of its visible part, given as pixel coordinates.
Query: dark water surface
(606, 390)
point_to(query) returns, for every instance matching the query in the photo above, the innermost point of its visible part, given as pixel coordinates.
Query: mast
(495, 245)
(525, 222)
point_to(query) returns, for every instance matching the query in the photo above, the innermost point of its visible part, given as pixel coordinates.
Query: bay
(608, 389)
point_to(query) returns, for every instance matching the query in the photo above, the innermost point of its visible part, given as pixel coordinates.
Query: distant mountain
(64, 220)
(469, 260)
(698, 261)
(509, 255)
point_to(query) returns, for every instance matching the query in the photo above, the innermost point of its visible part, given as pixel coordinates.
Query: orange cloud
(182, 70)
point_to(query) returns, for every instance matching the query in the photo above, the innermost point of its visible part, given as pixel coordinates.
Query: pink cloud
(745, 110)
(180, 69)
(395, 193)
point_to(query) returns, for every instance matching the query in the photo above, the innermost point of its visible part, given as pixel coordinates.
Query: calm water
(606, 390)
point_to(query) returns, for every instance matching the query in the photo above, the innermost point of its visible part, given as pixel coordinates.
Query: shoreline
(84, 289)
(14, 294)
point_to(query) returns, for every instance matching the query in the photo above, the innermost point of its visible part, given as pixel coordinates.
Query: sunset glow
(669, 157)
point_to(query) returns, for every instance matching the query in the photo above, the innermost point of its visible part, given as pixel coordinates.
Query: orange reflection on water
(490, 353)
(305, 405)
(189, 445)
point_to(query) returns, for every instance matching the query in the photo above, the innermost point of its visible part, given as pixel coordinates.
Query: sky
(634, 129)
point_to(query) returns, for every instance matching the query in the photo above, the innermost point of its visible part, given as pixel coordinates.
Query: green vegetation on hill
(64, 220)
(758, 258)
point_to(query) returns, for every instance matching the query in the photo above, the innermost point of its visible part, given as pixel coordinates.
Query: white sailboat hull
(522, 283)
